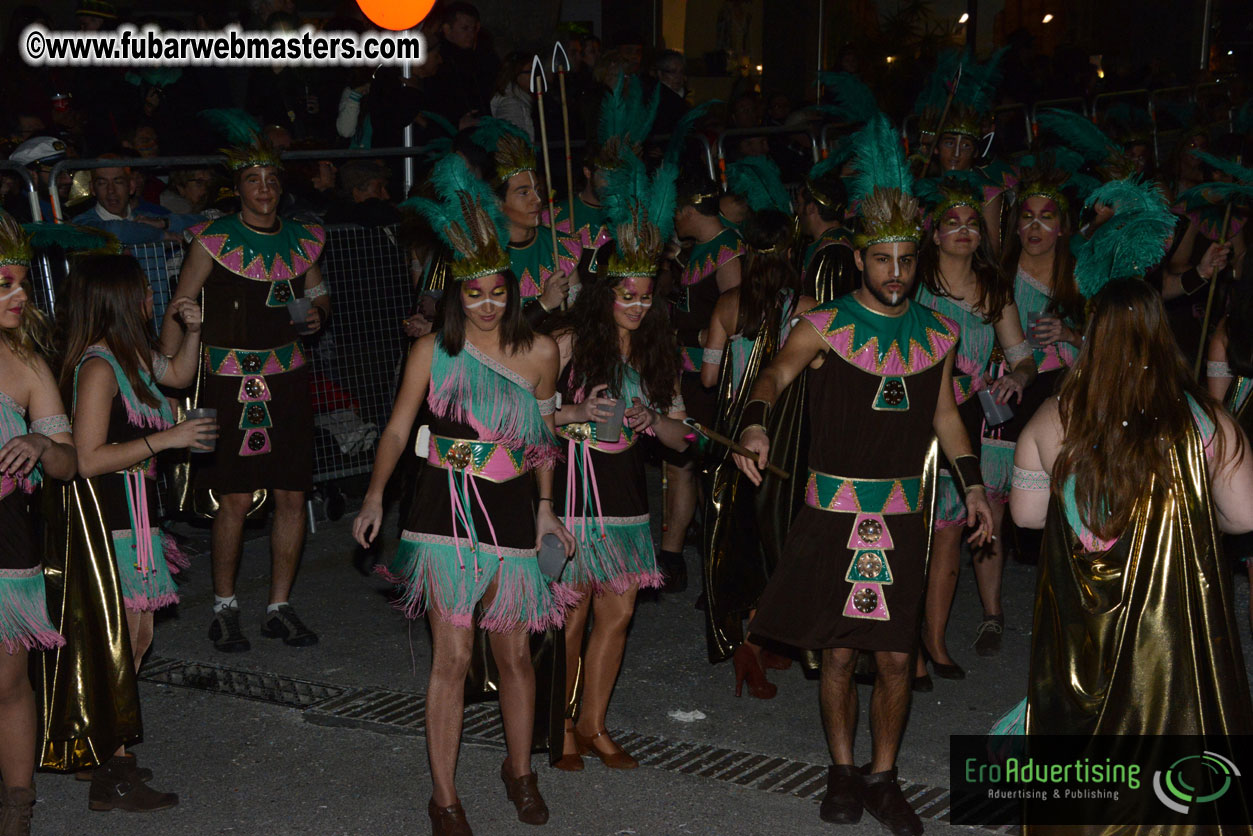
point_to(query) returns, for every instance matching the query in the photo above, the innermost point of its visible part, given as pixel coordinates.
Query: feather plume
(467, 217)
(1211, 194)
(674, 148)
(854, 101)
(446, 126)
(237, 127)
(623, 113)
(880, 160)
(640, 213)
(1078, 134)
(1243, 122)
(71, 237)
(1228, 167)
(1132, 242)
(759, 181)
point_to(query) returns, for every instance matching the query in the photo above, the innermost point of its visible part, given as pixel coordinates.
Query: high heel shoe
(953, 671)
(748, 668)
(614, 760)
(448, 821)
(570, 762)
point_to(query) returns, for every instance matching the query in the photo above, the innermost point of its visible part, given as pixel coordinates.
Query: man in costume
(249, 266)
(828, 269)
(880, 395)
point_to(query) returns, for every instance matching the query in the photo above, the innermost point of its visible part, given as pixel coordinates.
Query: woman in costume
(34, 441)
(1039, 256)
(1132, 471)
(486, 384)
(121, 422)
(615, 345)
(748, 326)
(958, 278)
(1229, 378)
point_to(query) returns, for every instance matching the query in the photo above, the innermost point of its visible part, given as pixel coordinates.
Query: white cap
(38, 149)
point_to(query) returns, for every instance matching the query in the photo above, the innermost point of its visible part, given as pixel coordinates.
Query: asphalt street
(327, 740)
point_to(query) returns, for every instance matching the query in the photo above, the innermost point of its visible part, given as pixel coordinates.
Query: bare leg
(445, 703)
(941, 586)
(287, 539)
(603, 661)
(837, 698)
(889, 706)
(17, 718)
(680, 506)
(989, 564)
(139, 625)
(228, 537)
(1248, 562)
(576, 626)
(512, 652)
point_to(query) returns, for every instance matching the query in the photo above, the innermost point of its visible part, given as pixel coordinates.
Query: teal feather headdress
(1077, 133)
(1054, 174)
(625, 120)
(759, 181)
(248, 148)
(882, 186)
(15, 246)
(855, 103)
(640, 214)
(955, 188)
(1129, 244)
(509, 145)
(467, 217)
(972, 101)
(1128, 124)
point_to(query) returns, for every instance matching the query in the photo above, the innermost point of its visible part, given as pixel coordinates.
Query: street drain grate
(252, 685)
(401, 712)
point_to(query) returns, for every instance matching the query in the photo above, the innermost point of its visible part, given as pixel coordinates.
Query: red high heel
(748, 668)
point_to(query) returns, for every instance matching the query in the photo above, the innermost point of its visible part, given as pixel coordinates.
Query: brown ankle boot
(16, 808)
(117, 786)
(448, 821)
(524, 793)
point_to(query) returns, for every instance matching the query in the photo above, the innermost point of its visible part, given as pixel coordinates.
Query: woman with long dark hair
(749, 324)
(1039, 258)
(958, 278)
(34, 442)
(1229, 378)
(111, 373)
(486, 385)
(616, 345)
(1132, 471)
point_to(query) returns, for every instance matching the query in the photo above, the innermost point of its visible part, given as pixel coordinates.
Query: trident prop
(539, 84)
(561, 71)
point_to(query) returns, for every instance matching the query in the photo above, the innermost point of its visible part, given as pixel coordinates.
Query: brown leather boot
(117, 786)
(16, 808)
(524, 793)
(448, 821)
(884, 800)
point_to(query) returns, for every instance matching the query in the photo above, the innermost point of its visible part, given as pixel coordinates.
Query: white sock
(273, 608)
(220, 603)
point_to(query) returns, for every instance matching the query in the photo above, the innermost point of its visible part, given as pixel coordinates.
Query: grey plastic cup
(994, 413)
(610, 429)
(204, 412)
(299, 308)
(1032, 318)
(552, 556)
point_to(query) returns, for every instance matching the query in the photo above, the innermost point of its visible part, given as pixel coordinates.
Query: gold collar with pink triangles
(888, 346)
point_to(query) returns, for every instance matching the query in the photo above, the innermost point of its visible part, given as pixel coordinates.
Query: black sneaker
(284, 624)
(225, 632)
(988, 639)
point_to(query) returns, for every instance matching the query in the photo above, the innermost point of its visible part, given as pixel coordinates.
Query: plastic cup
(610, 429)
(994, 413)
(299, 308)
(204, 412)
(552, 556)
(1032, 318)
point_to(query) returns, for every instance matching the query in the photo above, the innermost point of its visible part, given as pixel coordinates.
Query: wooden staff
(539, 82)
(561, 70)
(939, 126)
(1209, 301)
(739, 449)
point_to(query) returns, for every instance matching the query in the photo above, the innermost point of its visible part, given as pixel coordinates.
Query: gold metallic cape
(745, 526)
(89, 697)
(831, 273)
(1140, 639)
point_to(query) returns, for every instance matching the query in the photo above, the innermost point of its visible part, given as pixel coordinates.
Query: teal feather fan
(674, 148)
(854, 101)
(1228, 167)
(1132, 242)
(759, 181)
(71, 237)
(624, 115)
(1078, 134)
(237, 127)
(880, 160)
(467, 217)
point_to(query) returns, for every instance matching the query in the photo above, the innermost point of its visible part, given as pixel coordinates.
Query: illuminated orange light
(396, 15)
